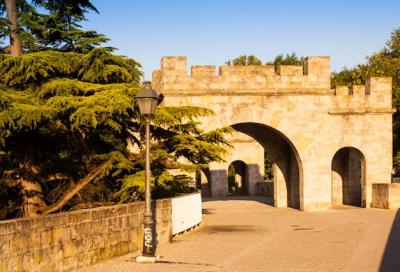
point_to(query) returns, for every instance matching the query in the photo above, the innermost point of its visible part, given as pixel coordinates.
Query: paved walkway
(248, 235)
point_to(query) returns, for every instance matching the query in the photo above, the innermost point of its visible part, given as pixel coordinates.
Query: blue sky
(214, 31)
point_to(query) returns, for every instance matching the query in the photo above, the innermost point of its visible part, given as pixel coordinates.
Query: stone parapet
(313, 78)
(173, 75)
(66, 241)
(374, 97)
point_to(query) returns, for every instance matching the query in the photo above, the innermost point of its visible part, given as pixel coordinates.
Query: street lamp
(148, 100)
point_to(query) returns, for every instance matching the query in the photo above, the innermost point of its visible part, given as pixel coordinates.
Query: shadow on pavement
(391, 257)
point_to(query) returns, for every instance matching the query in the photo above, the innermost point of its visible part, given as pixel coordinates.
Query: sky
(210, 32)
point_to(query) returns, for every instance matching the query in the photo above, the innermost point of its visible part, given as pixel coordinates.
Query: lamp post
(148, 100)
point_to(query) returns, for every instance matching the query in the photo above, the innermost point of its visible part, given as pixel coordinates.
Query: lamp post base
(147, 259)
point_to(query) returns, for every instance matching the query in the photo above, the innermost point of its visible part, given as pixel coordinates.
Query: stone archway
(287, 168)
(288, 102)
(238, 178)
(348, 177)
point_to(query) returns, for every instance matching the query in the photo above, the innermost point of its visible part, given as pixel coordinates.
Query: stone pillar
(254, 176)
(218, 179)
(280, 188)
(338, 181)
(337, 189)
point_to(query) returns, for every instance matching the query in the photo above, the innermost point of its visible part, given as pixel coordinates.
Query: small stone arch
(348, 177)
(238, 174)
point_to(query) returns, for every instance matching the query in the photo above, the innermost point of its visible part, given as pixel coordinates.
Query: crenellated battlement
(375, 95)
(313, 78)
(253, 78)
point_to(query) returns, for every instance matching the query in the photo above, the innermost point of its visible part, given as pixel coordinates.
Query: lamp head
(148, 100)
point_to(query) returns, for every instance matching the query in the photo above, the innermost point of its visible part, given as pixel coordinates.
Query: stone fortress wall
(315, 136)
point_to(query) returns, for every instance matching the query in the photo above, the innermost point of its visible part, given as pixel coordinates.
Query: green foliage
(355, 76)
(34, 68)
(52, 24)
(268, 170)
(163, 185)
(132, 188)
(288, 59)
(56, 128)
(67, 115)
(64, 115)
(100, 66)
(172, 186)
(244, 60)
(177, 135)
(231, 178)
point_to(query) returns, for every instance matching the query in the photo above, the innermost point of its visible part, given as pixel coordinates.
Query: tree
(68, 114)
(244, 60)
(65, 121)
(12, 23)
(56, 27)
(61, 27)
(56, 123)
(289, 59)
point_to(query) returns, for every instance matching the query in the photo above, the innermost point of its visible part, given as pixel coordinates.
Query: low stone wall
(386, 195)
(66, 241)
(265, 189)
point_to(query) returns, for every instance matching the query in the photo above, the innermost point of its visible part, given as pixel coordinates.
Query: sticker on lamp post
(148, 237)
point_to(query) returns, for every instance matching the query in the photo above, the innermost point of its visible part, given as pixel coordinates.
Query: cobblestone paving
(248, 235)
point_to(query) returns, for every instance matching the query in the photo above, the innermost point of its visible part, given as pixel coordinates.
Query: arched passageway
(348, 177)
(238, 178)
(286, 163)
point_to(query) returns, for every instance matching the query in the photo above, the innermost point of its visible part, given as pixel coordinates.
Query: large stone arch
(285, 159)
(288, 171)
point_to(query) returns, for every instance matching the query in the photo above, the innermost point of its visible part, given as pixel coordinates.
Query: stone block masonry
(386, 196)
(66, 241)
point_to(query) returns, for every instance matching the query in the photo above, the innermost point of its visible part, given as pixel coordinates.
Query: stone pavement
(244, 234)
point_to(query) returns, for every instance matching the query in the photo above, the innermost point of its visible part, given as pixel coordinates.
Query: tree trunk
(32, 193)
(15, 45)
(33, 202)
(74, 189)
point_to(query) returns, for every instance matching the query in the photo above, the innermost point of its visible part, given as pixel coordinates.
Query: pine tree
(67, 116)
(64, 124)
(56, 27)
(12, 23)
